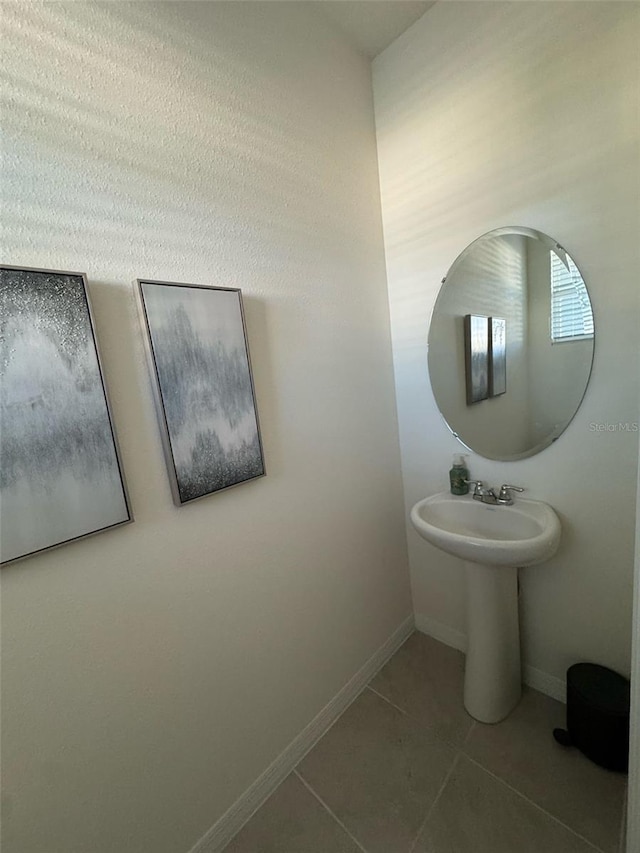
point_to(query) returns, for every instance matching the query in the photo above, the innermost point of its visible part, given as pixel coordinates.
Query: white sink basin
(520, 535)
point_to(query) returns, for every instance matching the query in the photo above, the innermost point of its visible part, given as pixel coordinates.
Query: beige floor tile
(292, 821)
(426, 679)
(379, 771)
(477, 813)
(521, 750)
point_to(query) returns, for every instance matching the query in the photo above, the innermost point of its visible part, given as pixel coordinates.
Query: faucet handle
(504, 492)
(477, 492)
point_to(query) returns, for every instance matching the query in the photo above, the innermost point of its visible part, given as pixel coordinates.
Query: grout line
(431, 729)
(472, 728)
(435, 802)
(535, 805)
(389, 702)
(326, 807)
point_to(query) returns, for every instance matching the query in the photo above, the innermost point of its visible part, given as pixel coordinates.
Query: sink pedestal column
(492, 681)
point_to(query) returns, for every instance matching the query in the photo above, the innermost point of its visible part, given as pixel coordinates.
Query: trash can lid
(600, 687)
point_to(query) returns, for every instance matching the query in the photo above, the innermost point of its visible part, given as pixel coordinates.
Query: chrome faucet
(480, 493)
(488, 496)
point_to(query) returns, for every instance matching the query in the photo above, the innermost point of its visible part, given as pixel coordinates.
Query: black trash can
(598, 702)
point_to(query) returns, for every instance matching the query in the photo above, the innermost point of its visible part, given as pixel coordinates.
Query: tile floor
(406, 770)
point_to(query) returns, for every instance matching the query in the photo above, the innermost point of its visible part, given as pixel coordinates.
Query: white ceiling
(372, 25)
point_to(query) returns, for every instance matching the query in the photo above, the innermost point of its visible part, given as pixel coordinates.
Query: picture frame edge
(156, 392)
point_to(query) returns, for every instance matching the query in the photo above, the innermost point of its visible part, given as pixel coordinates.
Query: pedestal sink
(493, 540)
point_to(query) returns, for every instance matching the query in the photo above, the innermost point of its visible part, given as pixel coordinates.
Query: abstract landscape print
(60, 476)
(204, 390)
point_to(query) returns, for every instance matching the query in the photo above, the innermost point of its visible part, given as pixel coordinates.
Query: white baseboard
(545, 683)
(239, 813)
(447, 635)
(536, 678)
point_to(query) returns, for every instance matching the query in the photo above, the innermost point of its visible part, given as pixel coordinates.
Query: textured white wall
(495, 114)
(151, 673)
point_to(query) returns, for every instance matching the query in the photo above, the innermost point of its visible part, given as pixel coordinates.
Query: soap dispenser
(458, 476)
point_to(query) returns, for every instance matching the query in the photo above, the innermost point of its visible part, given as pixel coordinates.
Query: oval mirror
(511, 343)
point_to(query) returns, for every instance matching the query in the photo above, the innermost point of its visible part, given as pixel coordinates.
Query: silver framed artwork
(201, 374)
(60, 477)
(476, 357)
(497, 356)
